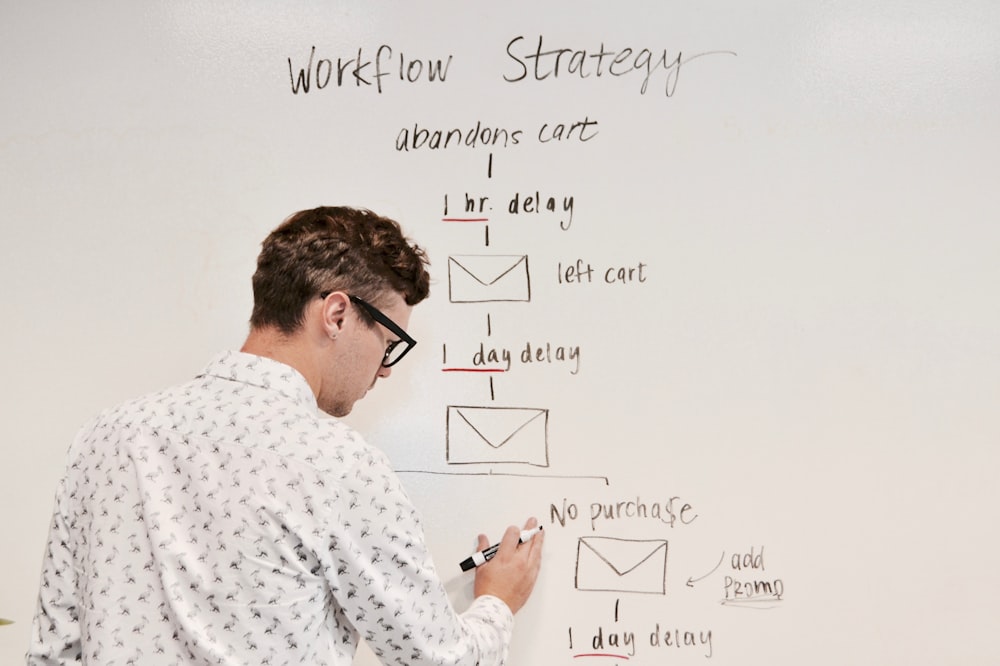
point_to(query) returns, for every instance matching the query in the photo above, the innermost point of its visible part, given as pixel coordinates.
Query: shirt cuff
(491, 611)
(494, 607)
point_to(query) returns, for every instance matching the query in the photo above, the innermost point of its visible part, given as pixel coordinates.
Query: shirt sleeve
(55, 629)
(387, 587)
(490, 615)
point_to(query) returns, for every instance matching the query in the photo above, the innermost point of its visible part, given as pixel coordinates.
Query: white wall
(810, 361)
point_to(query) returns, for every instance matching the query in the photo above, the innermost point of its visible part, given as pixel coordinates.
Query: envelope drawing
(497, 435)
(608, 564)
(487, 278)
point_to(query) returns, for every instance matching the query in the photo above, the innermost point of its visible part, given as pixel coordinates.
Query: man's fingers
(510, 538)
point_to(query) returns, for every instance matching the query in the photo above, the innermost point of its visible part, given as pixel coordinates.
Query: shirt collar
(263, 372)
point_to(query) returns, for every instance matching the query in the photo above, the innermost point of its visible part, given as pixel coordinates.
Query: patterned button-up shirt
(228, 521)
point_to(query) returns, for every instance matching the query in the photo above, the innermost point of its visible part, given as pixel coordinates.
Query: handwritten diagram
(497, 439)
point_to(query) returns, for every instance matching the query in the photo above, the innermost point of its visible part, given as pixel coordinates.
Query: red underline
(472, 370)
(465, 219)
(601, 654)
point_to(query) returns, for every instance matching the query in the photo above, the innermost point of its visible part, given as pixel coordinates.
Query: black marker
(484, 556)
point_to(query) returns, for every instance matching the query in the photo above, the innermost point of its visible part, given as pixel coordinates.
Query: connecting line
(568, 477)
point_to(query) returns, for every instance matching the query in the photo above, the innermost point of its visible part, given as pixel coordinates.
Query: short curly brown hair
(334, 248)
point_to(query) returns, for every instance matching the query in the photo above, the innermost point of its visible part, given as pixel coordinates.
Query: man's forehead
(399, 311)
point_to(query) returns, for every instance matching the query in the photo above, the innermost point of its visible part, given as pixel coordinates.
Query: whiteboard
(717, 279)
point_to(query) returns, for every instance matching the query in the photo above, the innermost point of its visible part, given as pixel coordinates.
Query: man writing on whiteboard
(226, 521)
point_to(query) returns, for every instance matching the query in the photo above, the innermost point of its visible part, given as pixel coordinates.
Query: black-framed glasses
(397, 349)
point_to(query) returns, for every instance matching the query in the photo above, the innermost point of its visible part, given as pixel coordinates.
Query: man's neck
(292, 350)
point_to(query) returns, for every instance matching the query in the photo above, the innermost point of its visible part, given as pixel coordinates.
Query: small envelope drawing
(487, 278)
(497, 435)
(621, 565)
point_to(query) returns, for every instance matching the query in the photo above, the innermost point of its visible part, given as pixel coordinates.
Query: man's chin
(338, 411)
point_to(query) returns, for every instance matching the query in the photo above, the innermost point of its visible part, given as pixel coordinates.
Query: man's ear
(333, 313)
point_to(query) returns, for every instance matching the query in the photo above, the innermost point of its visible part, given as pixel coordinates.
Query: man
(226, 521)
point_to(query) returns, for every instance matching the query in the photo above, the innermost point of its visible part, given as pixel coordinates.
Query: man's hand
(511, 574)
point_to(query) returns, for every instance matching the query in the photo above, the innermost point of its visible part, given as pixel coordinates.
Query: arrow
(692, 581)
(3, 621)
